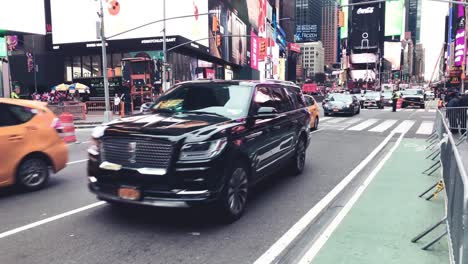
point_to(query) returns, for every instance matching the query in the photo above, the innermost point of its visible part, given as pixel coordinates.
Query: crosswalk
(375, 125)
(408, 110)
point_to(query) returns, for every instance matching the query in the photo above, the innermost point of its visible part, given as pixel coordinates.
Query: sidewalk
(91, 121)
(381, 224)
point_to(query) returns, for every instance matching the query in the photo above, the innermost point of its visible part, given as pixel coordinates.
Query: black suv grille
(137, 153)
(413, 99)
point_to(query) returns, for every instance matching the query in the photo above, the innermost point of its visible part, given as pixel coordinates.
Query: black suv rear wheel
(234, 196)
(298, 161)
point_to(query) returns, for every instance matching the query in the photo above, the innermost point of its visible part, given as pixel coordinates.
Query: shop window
(117, 64)
(96, 66)
(86, 66)
(77, 67)
(68, 70)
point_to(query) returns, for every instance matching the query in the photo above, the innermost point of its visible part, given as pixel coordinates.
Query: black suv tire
(233, 199)
(298, 161)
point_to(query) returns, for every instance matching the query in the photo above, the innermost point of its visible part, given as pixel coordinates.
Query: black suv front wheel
(235, 193)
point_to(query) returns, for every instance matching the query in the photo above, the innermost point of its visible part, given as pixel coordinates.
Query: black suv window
(282, 99)
(296, 97)
(12, 115)
(263, 98)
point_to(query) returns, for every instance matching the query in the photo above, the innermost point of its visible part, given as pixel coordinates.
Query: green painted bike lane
(382, 222)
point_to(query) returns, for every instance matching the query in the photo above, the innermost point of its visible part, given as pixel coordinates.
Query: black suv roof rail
(280, 81)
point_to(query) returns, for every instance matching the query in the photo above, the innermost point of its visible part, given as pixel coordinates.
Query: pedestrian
(16, 92)
(453, 113)
(463, 112)
(117, 103)
(395, 98)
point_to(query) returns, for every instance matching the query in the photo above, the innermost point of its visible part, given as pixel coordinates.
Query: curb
(85, 126)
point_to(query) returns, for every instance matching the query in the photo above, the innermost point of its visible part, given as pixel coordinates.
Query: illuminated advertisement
(394, 17)
(307, 33)
(392, 53)
(3, 47)
(365, 27)
(460, 38)
(254, 51)
(230, 23)
(344, 28)
(74, 23)
(26, 16)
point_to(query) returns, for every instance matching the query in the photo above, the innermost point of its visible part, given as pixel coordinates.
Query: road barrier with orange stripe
(399, 103)
(68, 134)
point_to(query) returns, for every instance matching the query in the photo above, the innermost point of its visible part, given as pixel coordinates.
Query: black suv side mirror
(266, 112)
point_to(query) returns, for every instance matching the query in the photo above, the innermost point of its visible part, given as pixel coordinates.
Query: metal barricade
(78, 110)
(456, 187)
(456, 118)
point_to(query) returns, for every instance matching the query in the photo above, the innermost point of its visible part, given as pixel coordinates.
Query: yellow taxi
(30, 145)
(314, 111)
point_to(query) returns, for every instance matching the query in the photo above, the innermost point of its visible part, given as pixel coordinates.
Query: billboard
(344, 28)
(392, 53)
(394, 15)
(238, 18)
(26, 16)
(365, 27)
(307, 33)
(460, 38)
(254, 51)
(76, 22)
(3, 47)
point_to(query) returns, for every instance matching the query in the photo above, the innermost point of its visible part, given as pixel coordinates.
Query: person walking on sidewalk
(117, 103)
(453, 113)
(395, 98)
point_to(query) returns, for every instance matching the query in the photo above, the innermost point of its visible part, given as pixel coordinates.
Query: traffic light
(215, 25)
(218, 40)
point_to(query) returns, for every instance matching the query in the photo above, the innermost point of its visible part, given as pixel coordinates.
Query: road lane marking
(324, 118)
(384, 126)
(77, 161)
(351, 122)
(425, 128)
(320, 242)
(404, 126)
(298, 228)
(335, 120)
(364, 125)
(431, 110)
(50, 219)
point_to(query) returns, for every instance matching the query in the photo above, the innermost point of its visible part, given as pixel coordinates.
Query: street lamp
(107, 112)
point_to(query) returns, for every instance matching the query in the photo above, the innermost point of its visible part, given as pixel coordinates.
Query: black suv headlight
(202, 150)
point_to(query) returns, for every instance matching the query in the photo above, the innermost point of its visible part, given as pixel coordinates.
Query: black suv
(202, 142)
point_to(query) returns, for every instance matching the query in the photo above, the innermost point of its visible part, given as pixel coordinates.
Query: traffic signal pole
(107, 112)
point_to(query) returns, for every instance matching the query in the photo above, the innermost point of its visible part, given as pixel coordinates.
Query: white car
(429, 95)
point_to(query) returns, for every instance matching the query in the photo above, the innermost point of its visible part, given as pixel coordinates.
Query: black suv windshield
(413, 92)
(228, 100)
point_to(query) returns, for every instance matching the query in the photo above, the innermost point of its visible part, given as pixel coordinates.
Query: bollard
(399, 103)
(68, 134)
(122, 109)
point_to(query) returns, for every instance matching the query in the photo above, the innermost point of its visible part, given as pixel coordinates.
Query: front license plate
(129, 193)
(412, 103)
(336, 110)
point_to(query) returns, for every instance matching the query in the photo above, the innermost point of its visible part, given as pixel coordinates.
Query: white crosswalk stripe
(404, 126)
(384, 126)
(425, 128)
(324, 118)
(364, 125)
(421, 110)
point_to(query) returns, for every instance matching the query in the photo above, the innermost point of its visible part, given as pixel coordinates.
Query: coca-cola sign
(368, 10)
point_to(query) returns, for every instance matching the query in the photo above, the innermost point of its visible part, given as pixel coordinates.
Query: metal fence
(456, 187)
(77, 110)
(456, 118)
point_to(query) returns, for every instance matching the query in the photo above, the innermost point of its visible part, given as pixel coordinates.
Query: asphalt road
(152, 235)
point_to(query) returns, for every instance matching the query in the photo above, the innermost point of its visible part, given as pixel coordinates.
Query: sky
(432, 33)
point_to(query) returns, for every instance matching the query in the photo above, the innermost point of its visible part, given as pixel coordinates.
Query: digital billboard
(365, 27)
(75, 22)
(344, 28)
(392, 53)
(394, 15)
(307, 33)
(231, 23)
(25, 16)
(3, 47)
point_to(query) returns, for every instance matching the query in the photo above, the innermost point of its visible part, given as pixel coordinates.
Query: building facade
(287, 15)
(308, 20)
(313, 56)
(329, 36)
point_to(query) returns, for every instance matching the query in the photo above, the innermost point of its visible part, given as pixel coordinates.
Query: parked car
(202, 142)
(341, 104)
(30, 144)
(413, 98)
(314, 111)
(373, 99)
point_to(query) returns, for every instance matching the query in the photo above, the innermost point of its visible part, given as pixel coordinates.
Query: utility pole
(34, 64)
(107, 112)
(164, 48)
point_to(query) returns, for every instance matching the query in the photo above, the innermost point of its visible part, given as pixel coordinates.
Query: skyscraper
(308, 20)
(330, 31)
(414, 20)
(287, 16)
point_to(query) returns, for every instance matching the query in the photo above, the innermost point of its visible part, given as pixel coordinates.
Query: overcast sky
(432, 33)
